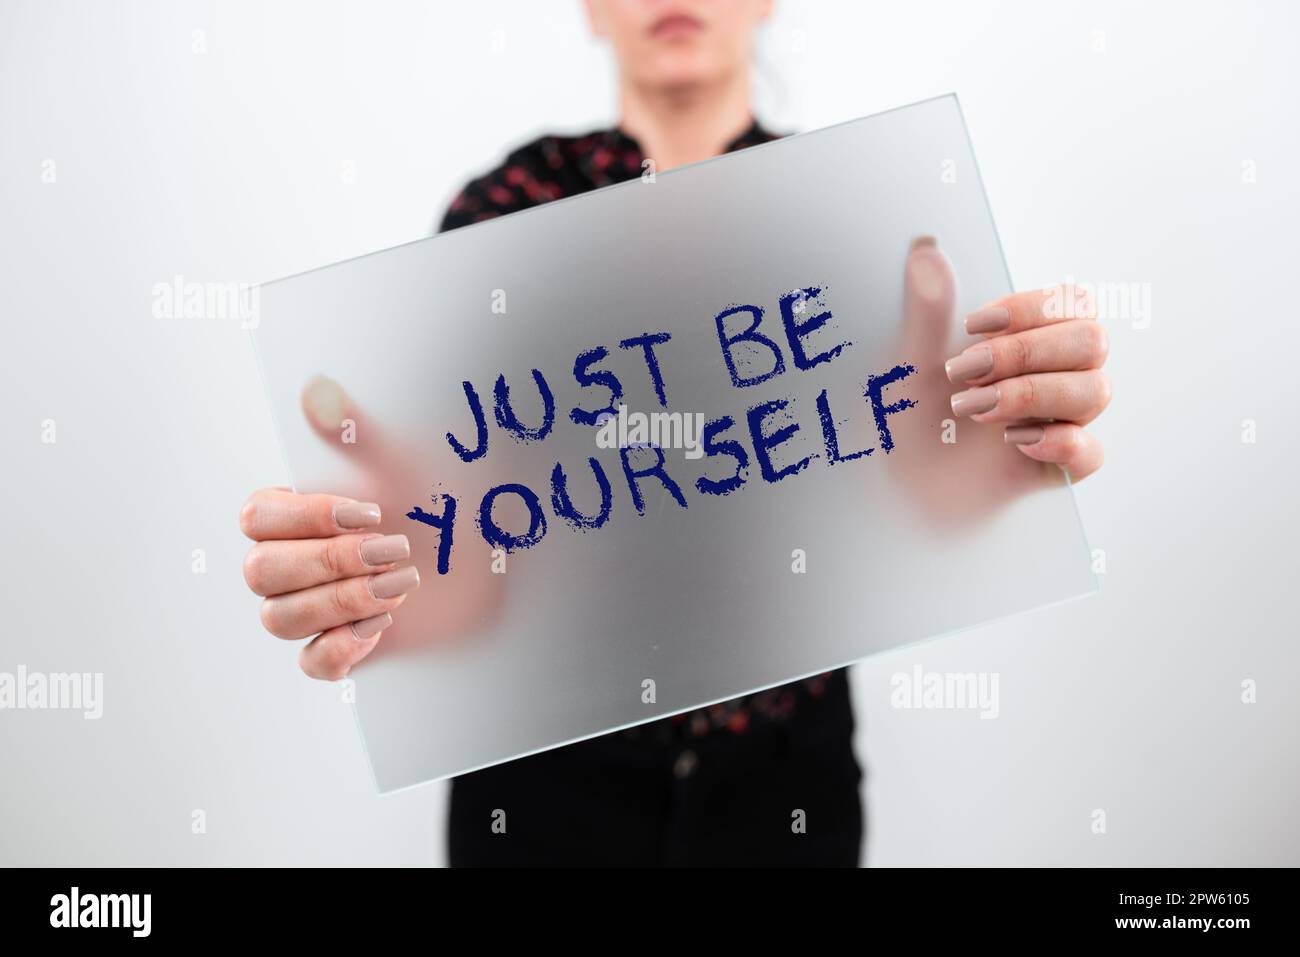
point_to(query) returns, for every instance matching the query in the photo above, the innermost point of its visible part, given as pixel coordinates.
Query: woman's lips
(675, 26)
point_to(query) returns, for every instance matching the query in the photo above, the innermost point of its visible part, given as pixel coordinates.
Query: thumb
(337, 420)
(929, 304)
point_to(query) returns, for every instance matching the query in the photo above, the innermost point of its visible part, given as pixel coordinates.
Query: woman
(716, 786)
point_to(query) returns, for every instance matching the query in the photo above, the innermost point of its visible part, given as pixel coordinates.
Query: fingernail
(990, 319)
(975, 401)
(970, 364)
(397, 582)
(922, 241)
(369, 627)
(383, 549)
(356, 514)
(1024, 434)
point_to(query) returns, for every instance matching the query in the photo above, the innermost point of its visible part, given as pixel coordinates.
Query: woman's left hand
(1038, 371)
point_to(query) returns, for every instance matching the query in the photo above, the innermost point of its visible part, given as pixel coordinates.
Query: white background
(1112, 139)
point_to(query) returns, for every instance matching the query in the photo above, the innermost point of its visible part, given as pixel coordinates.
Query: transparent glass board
(747, 308)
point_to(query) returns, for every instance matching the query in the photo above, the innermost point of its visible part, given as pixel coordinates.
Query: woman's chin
(680, 71)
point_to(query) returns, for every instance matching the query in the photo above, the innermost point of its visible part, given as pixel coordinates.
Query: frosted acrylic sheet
(558, 618)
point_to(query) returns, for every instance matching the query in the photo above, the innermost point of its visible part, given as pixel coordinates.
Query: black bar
(331, 906)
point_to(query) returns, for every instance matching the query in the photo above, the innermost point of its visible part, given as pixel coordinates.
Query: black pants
(781, 794)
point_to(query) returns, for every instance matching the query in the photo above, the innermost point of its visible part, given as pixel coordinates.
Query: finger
(1030, 310)
(337, 420)
(1070, 396)
(274, 568)
(1061, 443)
(331, 655)
(929, 304)
(1067, 346)
(302, 613)
(276, 513)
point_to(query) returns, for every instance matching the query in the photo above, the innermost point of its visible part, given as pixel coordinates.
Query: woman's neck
(685, 126)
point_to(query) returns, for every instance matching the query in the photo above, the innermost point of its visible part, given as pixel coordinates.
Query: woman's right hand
(322, 573)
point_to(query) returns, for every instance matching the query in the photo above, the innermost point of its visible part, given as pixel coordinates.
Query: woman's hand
(1039, 373)
(1031, 381)
(326, 567)
(320, 571)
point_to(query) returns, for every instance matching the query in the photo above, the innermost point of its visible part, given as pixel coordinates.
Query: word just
(769, 424)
